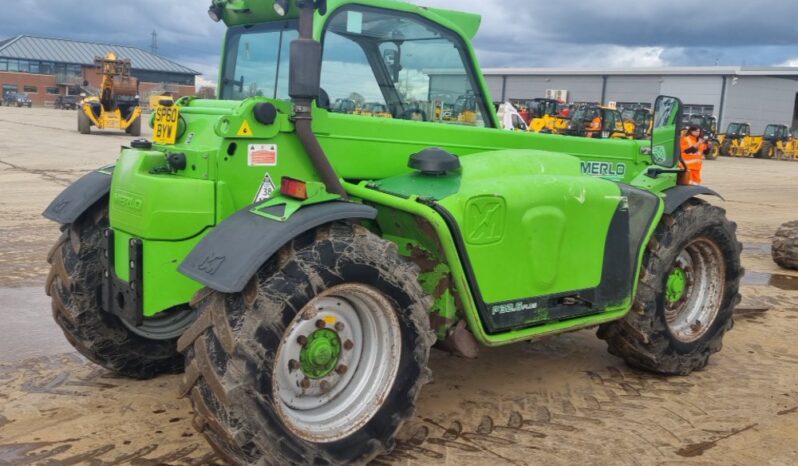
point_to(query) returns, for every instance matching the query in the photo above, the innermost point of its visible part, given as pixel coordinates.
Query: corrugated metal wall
(760, 101)
(757, 100)
(632, 89)
(580, 89)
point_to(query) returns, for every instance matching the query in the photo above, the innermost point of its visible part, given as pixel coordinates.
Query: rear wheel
(318, 361)
(74, 280)
(686, 295)
(84, 124)
(135, 128)
(785, 246)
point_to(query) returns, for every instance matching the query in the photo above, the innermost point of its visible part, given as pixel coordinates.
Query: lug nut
(348, 345)
(324, 385)
(293, 365)
(302, 340)
(305, 383)
(339, 326)
(341, 370)
(320, 323)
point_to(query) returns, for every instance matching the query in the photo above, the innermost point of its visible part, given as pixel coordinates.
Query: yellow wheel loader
(117, 104)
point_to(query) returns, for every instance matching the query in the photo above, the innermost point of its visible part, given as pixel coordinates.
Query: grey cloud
(514, 32)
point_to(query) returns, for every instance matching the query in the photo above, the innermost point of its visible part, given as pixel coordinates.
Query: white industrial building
(759, 96)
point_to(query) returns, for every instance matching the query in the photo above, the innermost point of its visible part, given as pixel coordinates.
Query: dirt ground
(563, 400)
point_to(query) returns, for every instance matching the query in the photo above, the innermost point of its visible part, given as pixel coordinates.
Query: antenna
(154, 43)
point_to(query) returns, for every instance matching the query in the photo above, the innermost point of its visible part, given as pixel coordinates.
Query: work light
(215, 12)
(281, 7)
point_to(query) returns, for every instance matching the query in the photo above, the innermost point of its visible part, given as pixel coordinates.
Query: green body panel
(164, 287)
(559, 193)
(438, 232)
(532, 224)
(155, 206)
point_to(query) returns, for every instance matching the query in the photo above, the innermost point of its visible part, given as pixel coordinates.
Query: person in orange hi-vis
(694, 148)
(593, 128)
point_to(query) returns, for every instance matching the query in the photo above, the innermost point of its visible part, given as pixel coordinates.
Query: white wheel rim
(336, 405)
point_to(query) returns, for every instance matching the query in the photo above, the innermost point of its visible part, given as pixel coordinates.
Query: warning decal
(245, 129)
(262, 155)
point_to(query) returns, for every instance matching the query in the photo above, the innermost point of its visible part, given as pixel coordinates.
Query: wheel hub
(677, 284)
(320, 355)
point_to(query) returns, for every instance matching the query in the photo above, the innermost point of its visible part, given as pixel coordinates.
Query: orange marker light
(294, 189)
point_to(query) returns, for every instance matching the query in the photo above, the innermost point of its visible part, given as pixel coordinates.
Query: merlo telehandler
(299, 263)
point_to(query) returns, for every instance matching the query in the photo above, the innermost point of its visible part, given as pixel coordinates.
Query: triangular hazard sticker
(245, 130)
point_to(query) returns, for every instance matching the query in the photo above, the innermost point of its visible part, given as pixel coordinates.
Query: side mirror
(665, 143)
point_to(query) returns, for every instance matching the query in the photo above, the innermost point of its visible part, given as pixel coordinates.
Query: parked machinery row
(777, 142)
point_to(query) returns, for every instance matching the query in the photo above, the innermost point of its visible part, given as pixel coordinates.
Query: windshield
(256, 61)
(771, 131)
(415, 69)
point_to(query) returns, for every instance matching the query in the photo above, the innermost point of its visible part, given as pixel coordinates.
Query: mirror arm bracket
(655, 172)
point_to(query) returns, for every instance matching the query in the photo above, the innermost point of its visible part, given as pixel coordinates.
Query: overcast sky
(514, 33)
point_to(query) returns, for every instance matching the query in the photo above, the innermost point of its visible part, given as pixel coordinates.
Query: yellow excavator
(117, 103)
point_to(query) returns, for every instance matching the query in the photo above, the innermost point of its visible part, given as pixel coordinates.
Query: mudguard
(230, 255)
(79, 196)
(678, 195)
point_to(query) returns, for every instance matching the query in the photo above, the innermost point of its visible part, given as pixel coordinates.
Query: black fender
(234, 250)
(79, 196)
(678, 195)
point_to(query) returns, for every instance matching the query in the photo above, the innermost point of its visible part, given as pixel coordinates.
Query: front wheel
(135, 128)
(714, 151)
(686, 295)
(318, 361)
(84, 124)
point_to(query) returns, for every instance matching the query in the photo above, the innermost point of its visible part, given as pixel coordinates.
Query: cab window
(394, 65)
(256, 61)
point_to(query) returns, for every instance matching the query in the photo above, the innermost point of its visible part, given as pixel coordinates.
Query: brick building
(45, 68)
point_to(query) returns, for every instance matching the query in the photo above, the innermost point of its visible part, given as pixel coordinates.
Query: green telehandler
(298, 263)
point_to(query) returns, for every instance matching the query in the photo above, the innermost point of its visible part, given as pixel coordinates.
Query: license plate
(164, 129)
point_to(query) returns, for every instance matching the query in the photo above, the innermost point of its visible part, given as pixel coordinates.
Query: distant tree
(357, 98)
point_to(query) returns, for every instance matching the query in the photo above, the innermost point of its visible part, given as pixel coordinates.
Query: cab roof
(243, 12)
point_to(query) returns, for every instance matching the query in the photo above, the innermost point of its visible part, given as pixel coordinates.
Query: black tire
(229, 351)
(714, 151)
(73, 283)
(768, 151)
(643, 338)
(725, 148)
(84, 124)
(135, 128)
(785, 246)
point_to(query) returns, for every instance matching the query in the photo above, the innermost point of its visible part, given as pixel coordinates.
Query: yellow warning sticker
(245, 130)
(329, 320)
